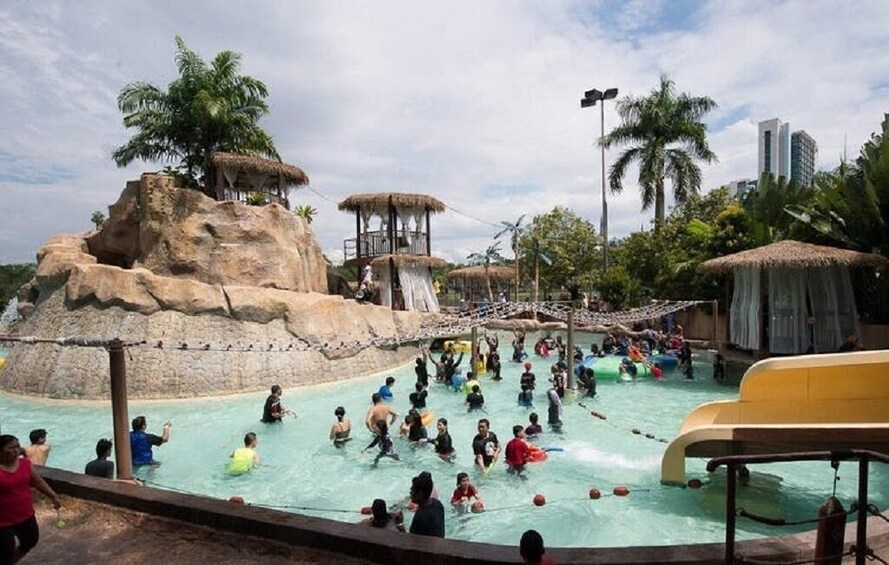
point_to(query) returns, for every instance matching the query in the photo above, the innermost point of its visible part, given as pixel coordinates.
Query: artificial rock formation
(172, 266)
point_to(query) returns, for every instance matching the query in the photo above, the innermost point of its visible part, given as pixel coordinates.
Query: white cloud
(459, 100)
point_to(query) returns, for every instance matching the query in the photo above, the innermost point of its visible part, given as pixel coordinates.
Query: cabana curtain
(788, 332)
(744, 330)
(416, 287)
(385, 287)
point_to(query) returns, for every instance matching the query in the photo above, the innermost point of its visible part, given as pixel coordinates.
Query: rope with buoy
(634, 431)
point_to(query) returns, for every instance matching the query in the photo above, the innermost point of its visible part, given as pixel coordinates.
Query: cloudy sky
(475, 103)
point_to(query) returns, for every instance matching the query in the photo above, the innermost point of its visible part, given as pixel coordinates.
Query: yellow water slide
(806, 403)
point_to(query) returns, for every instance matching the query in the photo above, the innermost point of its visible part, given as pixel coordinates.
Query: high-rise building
(803, 152)
(774, 148)
(742, 186)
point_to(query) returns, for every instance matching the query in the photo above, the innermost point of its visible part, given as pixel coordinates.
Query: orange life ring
(537, 454)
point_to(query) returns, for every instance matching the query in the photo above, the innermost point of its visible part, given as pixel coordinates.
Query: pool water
(302, 472)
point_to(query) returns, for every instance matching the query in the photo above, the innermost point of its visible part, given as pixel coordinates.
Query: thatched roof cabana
(379, 202)
(811, 300)
(478, 272)
(793, 254)
(237, 175)
(399, 260)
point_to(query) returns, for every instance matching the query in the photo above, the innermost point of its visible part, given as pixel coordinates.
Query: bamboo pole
(569, 355)
(119, 413)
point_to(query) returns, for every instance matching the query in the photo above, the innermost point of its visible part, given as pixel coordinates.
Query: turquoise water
(301, 470)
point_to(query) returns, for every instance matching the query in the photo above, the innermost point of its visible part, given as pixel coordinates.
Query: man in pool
(387, 448)
(101, 466)
(534, 429)
(429, 517)
(386, 390)
(528, 377)
(418, 397)
(38, 451)
(141, 442)
(273, 410)
(379, 412)
(485, 446)
(517, 451)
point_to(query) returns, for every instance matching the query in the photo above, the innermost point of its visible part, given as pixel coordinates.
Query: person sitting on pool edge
(244, 459)
(141, 442)
(101, 466)
(429, 517)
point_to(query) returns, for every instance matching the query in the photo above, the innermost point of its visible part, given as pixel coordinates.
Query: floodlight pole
(590, 98)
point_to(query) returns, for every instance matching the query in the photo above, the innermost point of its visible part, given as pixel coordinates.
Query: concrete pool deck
(106, 520)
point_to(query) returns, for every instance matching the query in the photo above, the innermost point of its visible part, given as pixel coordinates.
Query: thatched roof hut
(478, 272)
(793, 254)
(379, 202)
(811, 301)
(238, 175)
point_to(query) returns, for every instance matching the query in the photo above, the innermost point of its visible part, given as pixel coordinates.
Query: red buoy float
(477, 507)
(621, 491)
(236, 500)
(595, 494)
(367, 510)
(539, 500)
(695, 483)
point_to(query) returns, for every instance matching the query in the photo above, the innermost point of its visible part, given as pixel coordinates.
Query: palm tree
(208, 108)
(666, 135)
(306, 212)
(539, 255)
(515, 231)
(491, 255)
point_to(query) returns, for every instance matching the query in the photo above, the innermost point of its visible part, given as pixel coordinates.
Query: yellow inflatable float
(427, 418)
(461, 346)
(2, 362)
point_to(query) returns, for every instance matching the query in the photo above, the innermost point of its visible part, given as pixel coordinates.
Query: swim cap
(527, 366)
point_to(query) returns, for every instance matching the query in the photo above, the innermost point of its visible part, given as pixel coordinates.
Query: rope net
(435, 326)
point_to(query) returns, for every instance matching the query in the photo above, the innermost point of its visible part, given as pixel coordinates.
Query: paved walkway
(95, 533)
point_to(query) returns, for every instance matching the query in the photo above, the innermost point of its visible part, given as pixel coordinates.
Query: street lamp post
(590, 97)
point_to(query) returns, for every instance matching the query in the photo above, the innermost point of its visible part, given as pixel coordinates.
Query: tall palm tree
(539, 256)
(666, 135)
(208, 108)
(490, 256)
(515, 231)
(306, 212)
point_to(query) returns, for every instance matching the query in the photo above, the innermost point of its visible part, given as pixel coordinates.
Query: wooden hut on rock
(400, 250)
(237, 176)
(811, 303)
(472, 281)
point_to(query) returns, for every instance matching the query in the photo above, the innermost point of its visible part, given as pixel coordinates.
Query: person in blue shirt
(386, 390)
(141, 442)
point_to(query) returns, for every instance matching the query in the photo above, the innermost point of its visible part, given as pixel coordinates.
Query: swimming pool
(302, 471)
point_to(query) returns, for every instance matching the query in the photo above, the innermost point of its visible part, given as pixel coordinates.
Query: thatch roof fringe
(293, 176)
(400, 260)
(478, 272)
(380, 201)
(793, 254)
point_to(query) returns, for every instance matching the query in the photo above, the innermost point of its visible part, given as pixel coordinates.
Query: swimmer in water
(444, 447)
(464, 493)
(378, 413)
(339, 431)
(382, 439)
(244, 459)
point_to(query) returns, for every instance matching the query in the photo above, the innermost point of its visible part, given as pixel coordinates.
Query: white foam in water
(584, 452)
(10, 315)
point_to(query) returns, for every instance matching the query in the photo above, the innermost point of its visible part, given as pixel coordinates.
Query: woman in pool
(340, 430)
(443, 444)
(383, 519)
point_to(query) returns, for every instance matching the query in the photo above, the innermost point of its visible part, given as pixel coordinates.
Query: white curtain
(846, 311)
(788, 332)
(231, 175)
(416, 286)
(745, 321)
(822, 284)
(385, 286)
(404, 214)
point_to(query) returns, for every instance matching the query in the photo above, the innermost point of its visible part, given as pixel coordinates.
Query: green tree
(667, 135)
(768, 205)
(98, 218)
(12, 277)
(491, 256)
(305, 212)
(208, 108)
(514, 230)
(566, 244)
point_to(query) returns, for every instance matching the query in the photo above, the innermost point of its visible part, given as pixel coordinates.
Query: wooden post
(358, 241)
(716, 323)
(730, 512)
(119, 414)
(428, 235)
(570, 353)
(473, 335)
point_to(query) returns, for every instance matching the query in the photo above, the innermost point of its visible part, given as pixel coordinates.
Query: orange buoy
(595, 494)
(367, 510)
(621, 491)
(539, 500)
(477, 507)
(236, 500)
(695, 483)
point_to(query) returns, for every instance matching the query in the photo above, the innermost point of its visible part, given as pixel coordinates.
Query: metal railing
(732, 462)
(375, 243)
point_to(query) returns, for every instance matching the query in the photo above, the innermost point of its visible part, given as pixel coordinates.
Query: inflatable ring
(459, 346)
(2, 362)
(427, 418)
(537, 454)
(480, 367)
